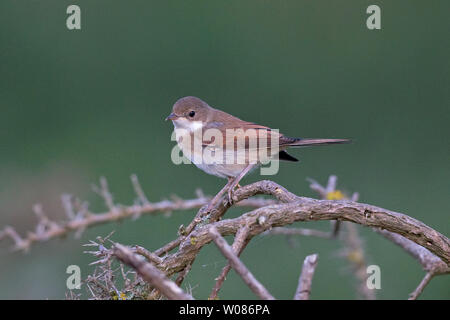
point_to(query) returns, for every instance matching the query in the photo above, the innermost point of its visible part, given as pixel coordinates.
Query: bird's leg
(236, 181)
(219, 194)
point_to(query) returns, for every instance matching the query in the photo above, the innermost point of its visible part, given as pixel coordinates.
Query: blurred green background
(77, 105)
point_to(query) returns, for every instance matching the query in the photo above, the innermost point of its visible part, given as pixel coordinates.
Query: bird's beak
(172, 116)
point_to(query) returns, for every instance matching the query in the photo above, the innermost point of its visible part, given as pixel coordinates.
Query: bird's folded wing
(240, 135)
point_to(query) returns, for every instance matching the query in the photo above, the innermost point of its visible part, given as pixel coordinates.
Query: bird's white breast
(185, 132)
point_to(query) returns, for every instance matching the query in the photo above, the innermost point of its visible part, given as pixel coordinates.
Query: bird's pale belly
(231, 165)
(222, 170)
(226, 163)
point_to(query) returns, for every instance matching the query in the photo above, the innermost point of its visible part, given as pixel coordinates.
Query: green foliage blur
(77, 105)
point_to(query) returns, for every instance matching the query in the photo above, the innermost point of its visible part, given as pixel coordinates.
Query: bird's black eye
(192, 114)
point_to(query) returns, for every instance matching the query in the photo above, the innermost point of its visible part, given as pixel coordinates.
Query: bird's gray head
(189, 109)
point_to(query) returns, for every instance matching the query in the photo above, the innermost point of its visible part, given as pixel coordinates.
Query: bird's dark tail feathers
(300, 142)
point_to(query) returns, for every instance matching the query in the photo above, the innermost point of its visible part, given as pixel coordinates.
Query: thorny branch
(80, 218)
(150, 273)
(156, 268)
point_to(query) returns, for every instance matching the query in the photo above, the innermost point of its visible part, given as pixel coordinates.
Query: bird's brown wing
(238, 128)
(245, 134)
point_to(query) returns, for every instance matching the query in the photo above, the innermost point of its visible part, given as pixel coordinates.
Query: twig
(426, 279)
(138, 190)
(182, 275)
(104, 192)
(305, 281)
(169, 246)
(239, 267)
(240, 241)
(147, 254)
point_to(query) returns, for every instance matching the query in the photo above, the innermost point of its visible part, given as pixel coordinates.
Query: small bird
(239, 146)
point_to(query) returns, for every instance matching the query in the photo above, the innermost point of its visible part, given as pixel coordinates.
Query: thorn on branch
(66, 200)
(103, 192)
(19, 242)
(138, 190)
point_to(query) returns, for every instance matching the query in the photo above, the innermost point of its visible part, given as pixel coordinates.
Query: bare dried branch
(305, 281)
(83, 219)
(306, 209)
(426, 279)
(103, 191)
(147, 254)
(299, 232)
(182, 275)
(239, 267)
(429, 261)
(240, 242)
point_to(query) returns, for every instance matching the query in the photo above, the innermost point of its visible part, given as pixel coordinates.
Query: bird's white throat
(183, 123)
